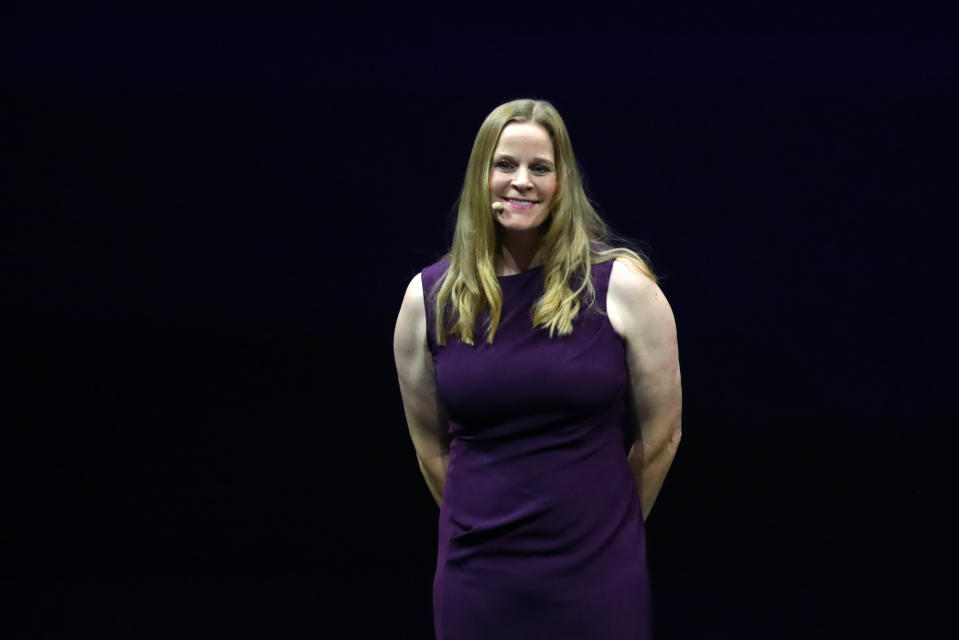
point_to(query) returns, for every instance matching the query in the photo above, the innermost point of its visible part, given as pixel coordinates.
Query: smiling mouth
(520, 204)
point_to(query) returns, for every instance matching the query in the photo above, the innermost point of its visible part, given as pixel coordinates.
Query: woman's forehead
(527, 137)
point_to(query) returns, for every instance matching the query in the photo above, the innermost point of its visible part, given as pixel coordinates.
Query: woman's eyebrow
(506, 156)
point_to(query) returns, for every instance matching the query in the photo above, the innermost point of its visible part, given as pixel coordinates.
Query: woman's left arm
(642, 317)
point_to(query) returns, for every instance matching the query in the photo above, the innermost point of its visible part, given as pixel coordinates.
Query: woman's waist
(537, 495)
(539, 521)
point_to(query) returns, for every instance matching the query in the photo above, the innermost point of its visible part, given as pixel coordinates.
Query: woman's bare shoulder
(634, 301)
(627, 275)
(410, 327)
(414, 290)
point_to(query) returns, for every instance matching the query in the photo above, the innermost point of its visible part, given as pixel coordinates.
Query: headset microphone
(498, 206)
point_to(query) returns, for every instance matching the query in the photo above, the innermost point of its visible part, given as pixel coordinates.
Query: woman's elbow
(674, 439)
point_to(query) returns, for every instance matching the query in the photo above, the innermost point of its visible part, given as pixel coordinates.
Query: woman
(518, 355)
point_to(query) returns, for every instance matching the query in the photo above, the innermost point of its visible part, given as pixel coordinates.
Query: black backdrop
(209, 220)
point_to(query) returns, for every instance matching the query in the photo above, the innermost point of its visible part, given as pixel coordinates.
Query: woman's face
(522, 176)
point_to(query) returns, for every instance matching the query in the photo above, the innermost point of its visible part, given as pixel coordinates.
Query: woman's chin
(521, 224)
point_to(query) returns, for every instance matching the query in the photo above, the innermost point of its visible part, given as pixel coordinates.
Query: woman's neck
(518, 252)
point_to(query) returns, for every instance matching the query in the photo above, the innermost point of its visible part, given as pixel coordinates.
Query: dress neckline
(520, 273)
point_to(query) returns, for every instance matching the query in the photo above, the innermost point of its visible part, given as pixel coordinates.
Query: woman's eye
(502, 164)
(541, 169)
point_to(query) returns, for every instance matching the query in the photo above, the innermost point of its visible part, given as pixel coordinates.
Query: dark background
(209, 220)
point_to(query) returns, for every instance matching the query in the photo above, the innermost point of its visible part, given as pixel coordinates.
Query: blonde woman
(518, 356)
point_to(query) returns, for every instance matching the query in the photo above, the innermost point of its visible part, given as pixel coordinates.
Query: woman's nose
(522, 179)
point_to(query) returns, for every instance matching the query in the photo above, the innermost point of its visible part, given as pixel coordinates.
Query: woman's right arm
(414, 368)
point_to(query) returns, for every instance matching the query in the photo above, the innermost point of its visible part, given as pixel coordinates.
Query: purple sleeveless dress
(540, 530)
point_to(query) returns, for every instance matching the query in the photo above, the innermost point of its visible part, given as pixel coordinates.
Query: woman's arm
(414, 368)
(640, 314)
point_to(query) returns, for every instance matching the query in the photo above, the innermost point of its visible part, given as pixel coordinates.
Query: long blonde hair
(575, 239)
